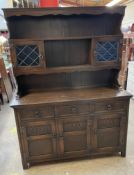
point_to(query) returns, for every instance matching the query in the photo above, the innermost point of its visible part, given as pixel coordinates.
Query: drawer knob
(54, 135)
(61, 135)
(37, 114)
(74, 110)
(109, 107)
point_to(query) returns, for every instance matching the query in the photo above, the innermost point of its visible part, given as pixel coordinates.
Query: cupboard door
(39, 140)
(74, 136)
(27, 56)
(109, 133)
(106, 50)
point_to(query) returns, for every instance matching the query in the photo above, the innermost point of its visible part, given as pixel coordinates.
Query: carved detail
(108, 123)
(75, 126)
(39, 130)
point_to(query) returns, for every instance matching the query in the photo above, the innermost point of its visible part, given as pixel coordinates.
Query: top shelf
(63, 11)
(60, 23)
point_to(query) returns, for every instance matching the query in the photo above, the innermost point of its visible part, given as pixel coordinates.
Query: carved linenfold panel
(107, 50)
(108, 123)
(39, 130)
(74, 126)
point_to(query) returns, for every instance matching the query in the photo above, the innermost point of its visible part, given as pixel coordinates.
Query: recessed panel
(40, 147)
(75, 142)
(108, 139)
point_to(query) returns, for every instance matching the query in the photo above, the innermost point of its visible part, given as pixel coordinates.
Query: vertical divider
(92, 52)
(42, 51)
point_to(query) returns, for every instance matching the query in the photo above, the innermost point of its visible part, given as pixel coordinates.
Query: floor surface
(10, 160)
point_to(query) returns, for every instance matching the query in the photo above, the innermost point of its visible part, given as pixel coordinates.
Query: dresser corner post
(123, 152)
(26, 165)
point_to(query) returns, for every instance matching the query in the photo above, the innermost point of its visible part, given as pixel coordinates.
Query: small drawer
(107, 106)
(62, 110)
(78, 108)
(37, 112)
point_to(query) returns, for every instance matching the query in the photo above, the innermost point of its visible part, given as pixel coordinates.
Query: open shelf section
(63, 24)
(67, 53)
(26, 83)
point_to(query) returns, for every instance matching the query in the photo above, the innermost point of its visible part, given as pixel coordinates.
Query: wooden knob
(60, 135)
(37, 114)
(74, 109)
(109, 107)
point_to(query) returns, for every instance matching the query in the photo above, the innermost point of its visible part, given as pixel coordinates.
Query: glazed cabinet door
(106, 50)
(27, 56)
(109, 133)
(74, 136)
(39, 140)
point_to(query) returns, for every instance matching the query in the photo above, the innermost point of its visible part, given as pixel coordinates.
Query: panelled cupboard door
(109, 132)
(74, 136)
(106, 50)
(39, 140)
(27, 56)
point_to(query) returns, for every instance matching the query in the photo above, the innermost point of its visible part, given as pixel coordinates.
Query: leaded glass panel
(27, 55)
(107, 50)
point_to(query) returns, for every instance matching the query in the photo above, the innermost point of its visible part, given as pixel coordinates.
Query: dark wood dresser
(66, 62)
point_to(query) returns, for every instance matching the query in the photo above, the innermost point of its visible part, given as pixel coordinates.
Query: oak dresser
(66, 62)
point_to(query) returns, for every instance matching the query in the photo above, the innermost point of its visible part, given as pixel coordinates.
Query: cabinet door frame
(27, 69)
(27, 139)
(61, 136)
(105, 39)
(121, 129)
